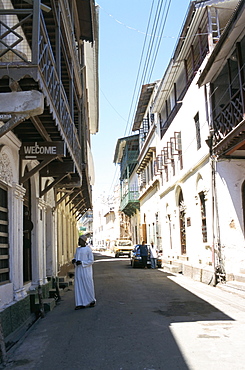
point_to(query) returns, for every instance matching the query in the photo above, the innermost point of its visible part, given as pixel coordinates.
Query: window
(4, 248)
(198, 134)
(203, 216)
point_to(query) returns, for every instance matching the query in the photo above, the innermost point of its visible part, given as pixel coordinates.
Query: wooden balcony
(130, 202)
(229, 127)
(41, 50)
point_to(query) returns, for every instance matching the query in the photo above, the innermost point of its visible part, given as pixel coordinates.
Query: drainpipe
(215, 237)
(212, 160)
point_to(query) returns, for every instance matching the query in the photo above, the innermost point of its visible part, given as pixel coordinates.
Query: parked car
(136, 261)
(122, 247)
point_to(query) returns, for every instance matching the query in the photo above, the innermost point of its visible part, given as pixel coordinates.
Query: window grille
(203, 216)
(198, 133)
(4, 247)
(178, 147)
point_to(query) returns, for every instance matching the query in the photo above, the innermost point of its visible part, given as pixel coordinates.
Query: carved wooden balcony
(130, 202)
(229, 127)
(40, 49)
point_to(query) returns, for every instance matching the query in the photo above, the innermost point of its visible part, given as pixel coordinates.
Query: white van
(122, 248)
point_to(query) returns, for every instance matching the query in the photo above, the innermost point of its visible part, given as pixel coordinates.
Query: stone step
(71, 273)
(62, 279)
(171, 268)
(235, 285)
(67, 283)
(49, 304)
(53, 294)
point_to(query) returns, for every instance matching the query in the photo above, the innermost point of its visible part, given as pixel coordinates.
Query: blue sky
(122, 36)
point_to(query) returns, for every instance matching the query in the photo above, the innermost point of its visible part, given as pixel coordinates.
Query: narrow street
(143, 319)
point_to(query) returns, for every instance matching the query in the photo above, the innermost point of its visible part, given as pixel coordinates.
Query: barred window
(203, 216)
(4, 247)
(198, 133)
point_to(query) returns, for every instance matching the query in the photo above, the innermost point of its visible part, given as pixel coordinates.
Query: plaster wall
(9, 176)
(149, 207)
(230, 177)
(193, 178)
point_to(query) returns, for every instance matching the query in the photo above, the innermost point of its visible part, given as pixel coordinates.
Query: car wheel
(116, 255)
(133, 264)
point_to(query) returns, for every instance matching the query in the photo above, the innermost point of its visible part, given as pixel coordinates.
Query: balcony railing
(129, 161)
(230, 116)
(130, 202)
(57, 94)
(38, 62)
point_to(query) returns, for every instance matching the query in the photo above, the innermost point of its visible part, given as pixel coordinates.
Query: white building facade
(191, 192)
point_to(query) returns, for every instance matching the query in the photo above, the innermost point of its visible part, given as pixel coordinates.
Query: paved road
(143, 320)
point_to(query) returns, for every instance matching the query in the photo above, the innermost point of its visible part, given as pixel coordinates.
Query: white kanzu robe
(84, 284)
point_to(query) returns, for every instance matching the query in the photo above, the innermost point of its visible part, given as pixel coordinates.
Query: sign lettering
(40, 150)
(5, 117)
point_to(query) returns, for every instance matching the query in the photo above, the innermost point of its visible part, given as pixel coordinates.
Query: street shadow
(148, 304)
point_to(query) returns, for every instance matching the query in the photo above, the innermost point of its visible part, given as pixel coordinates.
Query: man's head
(82, 240)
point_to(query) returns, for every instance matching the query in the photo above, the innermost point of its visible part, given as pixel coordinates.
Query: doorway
(182, 223)
(27, 228)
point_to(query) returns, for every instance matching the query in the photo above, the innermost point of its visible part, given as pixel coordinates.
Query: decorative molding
(19, 191)
(6, 173)
(19, 294)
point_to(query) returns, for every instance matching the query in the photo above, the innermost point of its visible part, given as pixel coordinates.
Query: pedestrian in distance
(84, 284)
(153, 255)
(144, 254)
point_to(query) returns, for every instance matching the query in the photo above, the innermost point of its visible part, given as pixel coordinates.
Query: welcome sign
(41, 150)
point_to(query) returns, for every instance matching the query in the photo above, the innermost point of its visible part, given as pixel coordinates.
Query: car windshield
(125, 243)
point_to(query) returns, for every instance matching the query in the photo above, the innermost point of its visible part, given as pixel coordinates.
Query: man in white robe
(84, 284)
(153, 256)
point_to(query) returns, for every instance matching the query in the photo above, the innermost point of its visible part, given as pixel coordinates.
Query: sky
(136, 41)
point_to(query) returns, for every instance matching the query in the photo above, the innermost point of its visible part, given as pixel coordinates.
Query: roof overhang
(86, 12)
(144, 160)
(165, 85)
(233, 33)
(144, 99)
(189, 31)
(121, 143)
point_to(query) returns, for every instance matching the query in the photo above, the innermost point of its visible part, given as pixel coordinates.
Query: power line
(157, 24)
(159, 41)
(112, 106)
(141, 58)
(147, 62)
